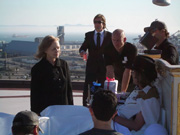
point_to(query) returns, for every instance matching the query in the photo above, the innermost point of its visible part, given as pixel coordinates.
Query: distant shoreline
(73, 33)
(8, 37)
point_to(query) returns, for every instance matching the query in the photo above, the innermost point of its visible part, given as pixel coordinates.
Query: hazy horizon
(68, 28)
(72, 33)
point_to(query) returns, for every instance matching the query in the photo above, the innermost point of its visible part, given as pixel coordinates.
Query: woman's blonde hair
(44, 45)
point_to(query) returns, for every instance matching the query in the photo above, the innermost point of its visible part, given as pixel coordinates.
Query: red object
(85, 56)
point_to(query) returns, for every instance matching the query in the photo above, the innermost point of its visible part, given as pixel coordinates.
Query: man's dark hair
(25, 122)
(104, 104)
(166, 33)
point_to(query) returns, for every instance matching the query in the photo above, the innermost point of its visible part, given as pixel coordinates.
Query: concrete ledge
(26, 84)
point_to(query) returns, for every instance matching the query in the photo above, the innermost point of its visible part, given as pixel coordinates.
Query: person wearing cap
(142, 107)
(50, 77)
(159, 30)
(102, 109)
(94, 42)
(118, 59)
(26, 123)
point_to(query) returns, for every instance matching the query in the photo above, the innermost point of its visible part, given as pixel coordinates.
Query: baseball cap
(156, 25)
(26, 118)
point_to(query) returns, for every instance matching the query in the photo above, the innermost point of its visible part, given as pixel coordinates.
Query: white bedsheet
(56, 120)
(5, 123)
(68, 119)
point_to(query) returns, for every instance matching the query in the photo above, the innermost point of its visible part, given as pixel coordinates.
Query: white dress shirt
(101, 37)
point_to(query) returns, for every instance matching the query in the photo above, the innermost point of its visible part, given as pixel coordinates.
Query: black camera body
(149, 42)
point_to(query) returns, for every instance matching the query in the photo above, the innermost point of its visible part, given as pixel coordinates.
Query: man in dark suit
(94, 42)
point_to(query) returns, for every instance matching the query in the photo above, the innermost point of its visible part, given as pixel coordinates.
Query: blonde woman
(50, 79)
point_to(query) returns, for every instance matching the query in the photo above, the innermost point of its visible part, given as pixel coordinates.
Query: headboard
(169, 82)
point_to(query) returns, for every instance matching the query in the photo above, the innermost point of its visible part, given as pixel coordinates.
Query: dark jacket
(50, 85)
(169, 52)
(95, 62)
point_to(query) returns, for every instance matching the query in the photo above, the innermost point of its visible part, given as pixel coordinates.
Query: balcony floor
(13, 100)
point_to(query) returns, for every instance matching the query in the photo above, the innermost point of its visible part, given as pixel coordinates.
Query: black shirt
(169, 52)
(122, 60)
(96, 131)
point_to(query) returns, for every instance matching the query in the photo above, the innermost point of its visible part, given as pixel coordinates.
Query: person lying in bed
(142, 107)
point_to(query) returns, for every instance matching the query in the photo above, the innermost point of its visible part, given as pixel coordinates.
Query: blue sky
(130, 15)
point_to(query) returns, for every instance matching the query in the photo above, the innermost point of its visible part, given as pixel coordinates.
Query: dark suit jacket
(95, 61)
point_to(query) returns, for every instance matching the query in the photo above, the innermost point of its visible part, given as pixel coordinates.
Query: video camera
(149, 42)
(92, 88)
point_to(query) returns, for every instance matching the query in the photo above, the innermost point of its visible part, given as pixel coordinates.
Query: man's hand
(82, 53)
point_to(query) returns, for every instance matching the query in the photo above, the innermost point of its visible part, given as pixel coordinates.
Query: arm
(135, 124)
(69, 86)
(35, 91)
(172, 55)
(84, 46)
(125, 80)
(132, 52)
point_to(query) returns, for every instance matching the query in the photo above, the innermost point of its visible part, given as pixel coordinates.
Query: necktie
(98, 40)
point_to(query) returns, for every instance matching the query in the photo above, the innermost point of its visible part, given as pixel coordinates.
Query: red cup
(85, 56)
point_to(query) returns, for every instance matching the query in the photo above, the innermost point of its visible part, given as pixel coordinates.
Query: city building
(60, 34)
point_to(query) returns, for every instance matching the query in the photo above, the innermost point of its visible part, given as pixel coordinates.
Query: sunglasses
(99, 22)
